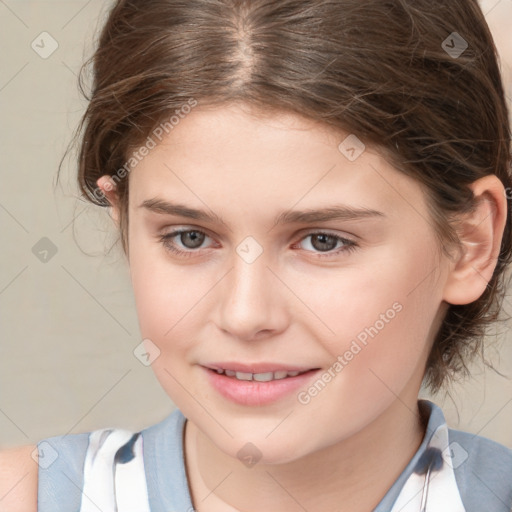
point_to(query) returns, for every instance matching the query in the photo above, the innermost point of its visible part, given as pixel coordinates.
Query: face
(257, 246)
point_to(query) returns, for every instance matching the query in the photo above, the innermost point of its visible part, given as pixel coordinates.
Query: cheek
(168, 299)
(168, 306)
(381, 316)
(172, 305)
(165, 293)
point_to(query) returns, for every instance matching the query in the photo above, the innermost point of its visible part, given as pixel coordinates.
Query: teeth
(263, 377)
(259, 377)
(243, 376)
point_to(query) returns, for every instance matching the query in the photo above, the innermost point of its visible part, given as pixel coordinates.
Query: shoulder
(49, 476)
(78, 465)
(60, 471)
(18, 479)
(483, 469)
(164, 459)
(481, 454)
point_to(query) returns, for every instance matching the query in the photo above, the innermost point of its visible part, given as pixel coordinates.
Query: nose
(252, 301)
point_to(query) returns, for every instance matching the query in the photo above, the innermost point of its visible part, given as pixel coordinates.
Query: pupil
(326, 242)
(195, 237)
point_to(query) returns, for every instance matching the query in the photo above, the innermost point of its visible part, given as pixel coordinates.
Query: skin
(295, 304)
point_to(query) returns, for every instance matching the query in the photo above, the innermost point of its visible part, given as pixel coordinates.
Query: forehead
(244, 159)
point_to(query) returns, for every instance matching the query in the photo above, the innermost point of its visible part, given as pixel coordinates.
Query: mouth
(257, 384)
(260, 377)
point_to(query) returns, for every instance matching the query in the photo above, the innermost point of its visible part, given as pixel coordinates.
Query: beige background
(68, 326)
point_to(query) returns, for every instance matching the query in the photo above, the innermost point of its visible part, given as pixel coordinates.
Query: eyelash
(349, 245)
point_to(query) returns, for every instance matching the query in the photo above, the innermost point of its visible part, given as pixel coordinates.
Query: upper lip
(257, 367)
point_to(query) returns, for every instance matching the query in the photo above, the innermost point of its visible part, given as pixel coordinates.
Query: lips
(257, 384)
(261, 372)
(257, 367)
(260, 377)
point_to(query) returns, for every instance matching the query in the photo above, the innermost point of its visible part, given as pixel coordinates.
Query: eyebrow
(310, 216)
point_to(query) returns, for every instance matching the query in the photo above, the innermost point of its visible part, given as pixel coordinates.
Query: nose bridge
(249, 280)
(250, 301)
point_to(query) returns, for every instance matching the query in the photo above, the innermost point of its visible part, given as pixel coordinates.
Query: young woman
(312, 199)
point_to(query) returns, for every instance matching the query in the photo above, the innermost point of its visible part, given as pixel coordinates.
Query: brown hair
(396, 73)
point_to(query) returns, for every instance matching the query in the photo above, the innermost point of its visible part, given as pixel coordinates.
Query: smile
(259, 377)
(257, 384)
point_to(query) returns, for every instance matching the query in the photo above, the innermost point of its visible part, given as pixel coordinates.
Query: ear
(108, 187)
(480, 233)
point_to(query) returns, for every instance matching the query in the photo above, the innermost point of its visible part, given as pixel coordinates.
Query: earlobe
(480, 233)
(108, 188)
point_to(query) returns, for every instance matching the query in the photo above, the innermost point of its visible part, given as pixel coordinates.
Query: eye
(321, 242)
(184, 241)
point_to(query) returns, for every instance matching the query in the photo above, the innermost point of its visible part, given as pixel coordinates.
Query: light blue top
(483, 478)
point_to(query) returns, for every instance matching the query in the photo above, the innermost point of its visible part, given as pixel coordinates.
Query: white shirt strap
(114, 476)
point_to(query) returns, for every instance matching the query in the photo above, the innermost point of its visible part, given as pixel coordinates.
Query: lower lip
(251, 392)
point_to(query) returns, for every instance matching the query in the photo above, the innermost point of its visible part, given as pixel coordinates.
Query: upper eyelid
(307, 232)
(186, 229)
(304, 232)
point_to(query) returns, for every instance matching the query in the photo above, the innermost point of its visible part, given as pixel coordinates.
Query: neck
(352, 475)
